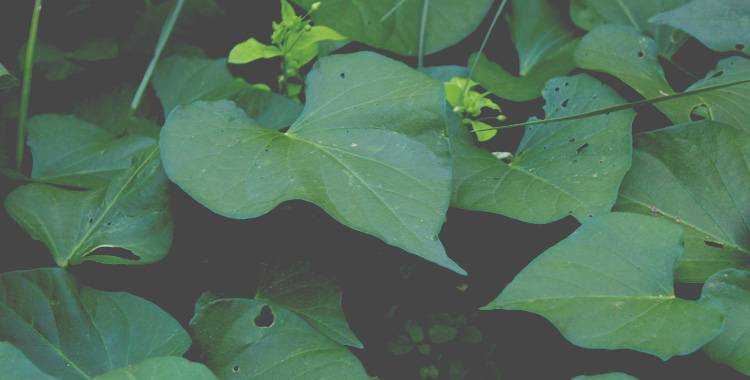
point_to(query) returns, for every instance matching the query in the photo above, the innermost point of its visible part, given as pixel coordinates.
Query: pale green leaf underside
(722, 25)
(131, 212)
(636, 63)
(180, 80)
(538, 31)
(394, 24)
(69, 331)
(566, 168)
(313, 296)
(373, 160)
(71, 152)
(732, 345)
(697, 175)
(165, 367)
(603, 288)
(588, 14)
(236, 348)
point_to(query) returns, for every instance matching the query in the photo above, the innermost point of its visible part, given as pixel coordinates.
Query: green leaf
(181, 80)
(483, 130)
(166, 367)
(71, 152)
(7, 80)
(131, 213)
(445, 73)
(609, 285)
(16, 366)
(732, 345)
(394, 24)
(95, 50)
(306, 46)
(722, 25)
(635, 62)
(111, 111)
(312, 295)
(70, 331)
(373, 161)
(607, 376)
(51, 60)
(565, 168)
(269, 109)
(695, 174)
(588, 14)
(249, 339)
(251, 50)
(539, 32)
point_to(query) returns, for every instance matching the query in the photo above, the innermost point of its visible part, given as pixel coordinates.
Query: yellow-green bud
(315, 6)
(307, 28)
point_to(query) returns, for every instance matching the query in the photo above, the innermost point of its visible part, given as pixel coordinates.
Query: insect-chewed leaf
(368, 148)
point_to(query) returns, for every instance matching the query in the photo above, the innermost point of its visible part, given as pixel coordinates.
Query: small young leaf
(732, 345)
(131, 213)
(609, 285)
(251, 50)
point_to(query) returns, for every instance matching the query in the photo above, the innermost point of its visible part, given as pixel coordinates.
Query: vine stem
(422, 28)
(163, 37)
(23, 112)
(619, 107)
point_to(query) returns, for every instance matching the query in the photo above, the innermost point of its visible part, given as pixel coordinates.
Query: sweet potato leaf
(163, 367)
(111, 111)
(609, 285)
(696, 175)
(538, 31)
(16, 366)
(607, 376)
(732, 345)
(565, 168)
(180, 80)
(373, 161)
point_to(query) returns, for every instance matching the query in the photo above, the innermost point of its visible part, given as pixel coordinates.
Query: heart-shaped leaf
(635, 62)
(71, 152)
(394, 25)
(588, 14)
(723, 25)
(165, 367)
(603, 288)
(696, 175)
(70, 331)
(373, 161)
(564, 168)
(312, 295)
(131, 212)
(249, 339)
(180, 80)
(732, 345)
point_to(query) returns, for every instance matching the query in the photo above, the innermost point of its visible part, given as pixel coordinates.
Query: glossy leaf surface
(695, 175)
(609, 285)
(732, 345)
(131, 212)
(70, 331)
(565, 168)
(373, 161)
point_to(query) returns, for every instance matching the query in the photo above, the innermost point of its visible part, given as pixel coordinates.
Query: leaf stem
(23, 112)
(422, 28)
(163, 37)
(620, 107)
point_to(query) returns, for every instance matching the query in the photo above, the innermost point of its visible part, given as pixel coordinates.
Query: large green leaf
(7, 80)
(111, 111)
(16, 366)
(71, 152)
(70, 331)
(252, 340)
(722, 25)
(732, 345)
(588, 14)
(565, 168)
(373, 160)
(313, 296)
(635, 62)
(180, 80)
(695, 175)
(609, 285)
(394, 24)
(165, 367)
(131, 212)
(56, 64)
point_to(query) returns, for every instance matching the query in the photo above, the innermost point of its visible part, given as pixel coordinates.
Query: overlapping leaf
(609, 285)
(695, 174)
(722, 25)
(368, 149)
(71, 152)
(607, 376)
(394, 25)
(565, 168)
(165, 367)
(249, 339)
(635, 62)
(732, 345)
(588, 14)
(180, 80)
(111, 111)
(69, 331)
(131, 213)
(7, 80)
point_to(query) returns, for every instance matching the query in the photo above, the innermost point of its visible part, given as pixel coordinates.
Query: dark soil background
(384, 287)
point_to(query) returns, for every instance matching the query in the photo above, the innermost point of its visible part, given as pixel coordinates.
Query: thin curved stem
(422, 28)
(23, 112)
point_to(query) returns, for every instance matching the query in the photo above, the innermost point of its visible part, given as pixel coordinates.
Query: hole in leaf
(699, 112)
(720, 73)
(565, 103)
(691, 292)
(109, 223)
(91, 221)
(343, 75)
(236, 369)
(571, 140)
(641, 54)
(557, 89)
(265, 318)
(714, 244)
(739, 46)
(582, 147)
(115, 252)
